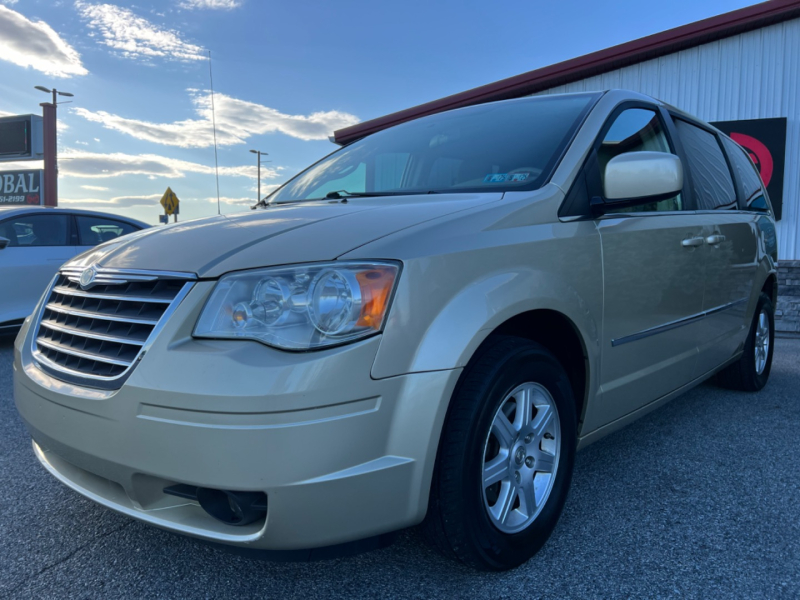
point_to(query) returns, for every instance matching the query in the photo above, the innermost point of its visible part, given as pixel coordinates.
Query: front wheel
(505, 458)
(751, 372)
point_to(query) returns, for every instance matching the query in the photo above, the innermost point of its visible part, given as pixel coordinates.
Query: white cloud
(96, 188)
(236, 119)
(36, 45)
(9, 2)
(136, 37)
(111, 203)
(79, 163)
(250, 201)
(213, 4)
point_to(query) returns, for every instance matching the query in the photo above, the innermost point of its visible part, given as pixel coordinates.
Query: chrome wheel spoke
(505, 502)
(542, 420)
(495, 470)
(503, 430)
(544, 462)
(527, 497)
(524, 400)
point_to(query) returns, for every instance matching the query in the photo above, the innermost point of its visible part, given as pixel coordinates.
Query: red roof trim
(646, 48)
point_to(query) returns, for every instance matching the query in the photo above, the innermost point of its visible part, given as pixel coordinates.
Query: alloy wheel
(762, 341)
(521, 457)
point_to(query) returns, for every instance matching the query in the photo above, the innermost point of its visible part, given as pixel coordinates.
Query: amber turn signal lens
(376, 285)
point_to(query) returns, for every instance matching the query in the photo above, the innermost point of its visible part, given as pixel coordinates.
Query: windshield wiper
(345, 194)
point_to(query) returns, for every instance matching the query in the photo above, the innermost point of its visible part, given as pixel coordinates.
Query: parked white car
(35, 241)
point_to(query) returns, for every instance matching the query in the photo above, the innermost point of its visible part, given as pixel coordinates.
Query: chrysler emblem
(87, 277)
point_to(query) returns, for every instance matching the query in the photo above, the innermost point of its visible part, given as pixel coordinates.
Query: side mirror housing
(639, 177)
(4, 242)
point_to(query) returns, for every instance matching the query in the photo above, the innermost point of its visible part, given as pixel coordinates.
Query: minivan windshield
(500, 146)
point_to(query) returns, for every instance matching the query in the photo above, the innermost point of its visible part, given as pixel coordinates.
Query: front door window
(636, 130)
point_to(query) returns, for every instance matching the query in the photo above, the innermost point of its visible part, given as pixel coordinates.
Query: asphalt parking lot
(699, 499)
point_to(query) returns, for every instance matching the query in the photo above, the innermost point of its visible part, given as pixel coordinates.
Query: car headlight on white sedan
(302, 307)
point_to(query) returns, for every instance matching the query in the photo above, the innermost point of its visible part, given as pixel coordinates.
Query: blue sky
(286, 74)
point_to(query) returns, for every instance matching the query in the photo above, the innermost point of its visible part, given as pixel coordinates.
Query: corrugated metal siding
(754, 75)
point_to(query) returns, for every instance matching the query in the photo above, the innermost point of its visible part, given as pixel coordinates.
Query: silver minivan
(423, 327)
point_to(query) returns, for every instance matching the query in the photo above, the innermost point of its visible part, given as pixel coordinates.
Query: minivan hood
(277, 235)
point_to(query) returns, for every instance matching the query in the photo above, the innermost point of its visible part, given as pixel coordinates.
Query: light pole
(259, 170)
(50, 146)
(54, 91)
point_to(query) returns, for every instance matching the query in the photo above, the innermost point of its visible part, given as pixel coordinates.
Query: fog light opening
(231, 508)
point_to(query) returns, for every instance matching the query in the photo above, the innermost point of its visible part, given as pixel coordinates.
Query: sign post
(50, 150)
(171, 204)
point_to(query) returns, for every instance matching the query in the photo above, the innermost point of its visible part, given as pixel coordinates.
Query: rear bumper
(340, 456)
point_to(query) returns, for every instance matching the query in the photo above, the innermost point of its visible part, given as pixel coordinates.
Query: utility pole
(50, 142)
(259, 171)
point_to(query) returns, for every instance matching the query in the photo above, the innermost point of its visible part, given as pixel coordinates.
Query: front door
(653, 281)
(653, 270)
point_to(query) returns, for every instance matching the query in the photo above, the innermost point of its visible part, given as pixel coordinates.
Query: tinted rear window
(747, 175)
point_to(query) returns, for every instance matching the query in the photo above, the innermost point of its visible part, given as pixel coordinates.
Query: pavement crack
(65, 558)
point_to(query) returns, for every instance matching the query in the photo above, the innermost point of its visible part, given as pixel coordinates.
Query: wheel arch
(556, 332)
(770, 287)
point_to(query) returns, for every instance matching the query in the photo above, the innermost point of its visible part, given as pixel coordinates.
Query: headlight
(303, 307)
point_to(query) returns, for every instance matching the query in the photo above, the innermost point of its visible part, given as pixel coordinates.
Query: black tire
(457, 522)
(743, 375)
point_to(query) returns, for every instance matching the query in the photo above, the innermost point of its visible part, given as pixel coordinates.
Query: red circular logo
(758, 152)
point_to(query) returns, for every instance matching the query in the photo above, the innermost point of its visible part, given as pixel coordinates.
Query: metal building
(739, 70)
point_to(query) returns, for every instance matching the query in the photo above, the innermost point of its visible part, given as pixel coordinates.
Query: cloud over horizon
(244, 201)
(92, 165)
(111, 203)
(237, 120)
(35, 45)
(135, 37)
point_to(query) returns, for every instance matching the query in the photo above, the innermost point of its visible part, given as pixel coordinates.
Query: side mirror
(4, 242)
(642, 176)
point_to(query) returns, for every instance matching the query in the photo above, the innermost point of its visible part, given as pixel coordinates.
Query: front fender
(444, 309)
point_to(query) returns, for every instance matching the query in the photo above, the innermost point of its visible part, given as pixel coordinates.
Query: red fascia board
(602, 61)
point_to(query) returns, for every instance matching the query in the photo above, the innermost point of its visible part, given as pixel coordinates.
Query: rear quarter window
(746, 173)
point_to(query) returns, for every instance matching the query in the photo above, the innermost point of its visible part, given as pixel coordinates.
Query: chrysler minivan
(422, 327)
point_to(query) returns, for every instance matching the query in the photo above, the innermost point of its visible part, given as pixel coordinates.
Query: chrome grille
(95, 335)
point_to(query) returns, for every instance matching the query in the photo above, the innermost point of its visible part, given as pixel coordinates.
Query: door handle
(692, 242)
(714, 240)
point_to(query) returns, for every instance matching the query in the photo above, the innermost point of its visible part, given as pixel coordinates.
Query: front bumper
(339, 455)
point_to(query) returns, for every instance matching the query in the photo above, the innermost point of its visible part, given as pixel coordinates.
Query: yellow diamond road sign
(170, 202)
